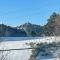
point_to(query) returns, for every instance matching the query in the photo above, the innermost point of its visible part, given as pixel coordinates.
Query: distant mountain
(31, 29)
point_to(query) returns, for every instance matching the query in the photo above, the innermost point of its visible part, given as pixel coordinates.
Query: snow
(21, 54)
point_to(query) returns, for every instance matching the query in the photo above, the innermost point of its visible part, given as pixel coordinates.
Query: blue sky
(17, 12)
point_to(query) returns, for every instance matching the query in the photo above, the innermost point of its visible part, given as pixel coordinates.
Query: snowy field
(21, 54)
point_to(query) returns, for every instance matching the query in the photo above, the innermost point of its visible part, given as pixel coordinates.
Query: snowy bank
(22, 54)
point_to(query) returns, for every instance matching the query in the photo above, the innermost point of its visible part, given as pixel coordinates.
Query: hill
(31, 29)
(52, 28)
(7, 31)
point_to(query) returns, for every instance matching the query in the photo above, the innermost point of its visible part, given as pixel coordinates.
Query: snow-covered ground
(21, 54)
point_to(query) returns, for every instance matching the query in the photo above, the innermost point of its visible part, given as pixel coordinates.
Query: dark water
(18, 38)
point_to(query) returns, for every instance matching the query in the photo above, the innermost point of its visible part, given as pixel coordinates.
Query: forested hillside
(7, 31)
(32, 30)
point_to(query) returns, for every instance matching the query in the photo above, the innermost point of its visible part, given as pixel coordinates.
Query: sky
(17, 12)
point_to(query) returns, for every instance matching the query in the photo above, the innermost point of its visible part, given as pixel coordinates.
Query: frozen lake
(17, 43)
